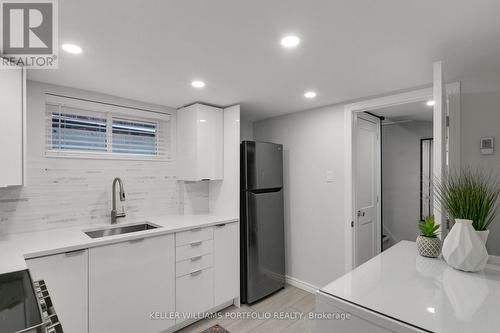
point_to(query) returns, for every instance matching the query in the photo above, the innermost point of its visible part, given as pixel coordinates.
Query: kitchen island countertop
(423, 292)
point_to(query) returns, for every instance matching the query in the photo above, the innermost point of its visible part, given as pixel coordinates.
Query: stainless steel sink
(112, 231)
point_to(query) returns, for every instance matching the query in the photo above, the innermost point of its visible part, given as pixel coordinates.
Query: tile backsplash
(65, 192)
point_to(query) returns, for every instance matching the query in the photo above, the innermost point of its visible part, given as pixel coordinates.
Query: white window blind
(84, 132)
(135, 137)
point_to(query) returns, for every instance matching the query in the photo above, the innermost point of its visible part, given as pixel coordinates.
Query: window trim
(110, 112)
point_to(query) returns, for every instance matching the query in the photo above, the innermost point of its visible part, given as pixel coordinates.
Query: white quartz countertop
(15, 248)
(423, 292)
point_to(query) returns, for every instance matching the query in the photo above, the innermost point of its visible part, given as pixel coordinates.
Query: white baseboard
(301, 284)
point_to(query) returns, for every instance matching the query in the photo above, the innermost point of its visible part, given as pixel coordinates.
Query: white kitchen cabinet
(207, 268)
(194, 236)
(195, 292)
(130, 280)
(194, 270)
(195, 249)
(194, 264)
(12, 119)
(226, 262)
(200, 143)
(66, 277)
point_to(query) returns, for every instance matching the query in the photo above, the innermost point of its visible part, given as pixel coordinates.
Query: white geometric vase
(483, 234)
(463, 249)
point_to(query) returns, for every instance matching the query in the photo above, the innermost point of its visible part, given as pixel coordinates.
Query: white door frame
(425, 94)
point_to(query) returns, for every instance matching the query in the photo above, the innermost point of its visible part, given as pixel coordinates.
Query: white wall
(246, 130)
(401, 177)
(64, 192)
(314, 210)
(313, 143)
(481, 118)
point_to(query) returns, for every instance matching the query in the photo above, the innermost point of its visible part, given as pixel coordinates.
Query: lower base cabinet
(211, 277)
(195, 293)
(144, 285)
(66, 277)
(226, 262)
(130, 281)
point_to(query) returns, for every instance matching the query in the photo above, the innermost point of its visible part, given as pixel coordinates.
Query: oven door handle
(32, 328)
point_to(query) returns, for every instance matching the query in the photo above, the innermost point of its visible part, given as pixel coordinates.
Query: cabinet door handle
(196, 243)
(220, 225)
(198, 272)
(195, 229)
(74, 253)
(196, 258)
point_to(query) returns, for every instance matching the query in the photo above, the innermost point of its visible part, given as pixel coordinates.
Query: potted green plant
(470, 195)
(428, 244)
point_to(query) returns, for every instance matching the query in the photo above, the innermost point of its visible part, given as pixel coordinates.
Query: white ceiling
(151, 50)
(408, 111)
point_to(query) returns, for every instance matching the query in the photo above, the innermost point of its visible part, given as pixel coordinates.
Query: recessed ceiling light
(72, 48)
(290, 41)
(431, 310)
(431, 103)
(310, 94)
(198, 84)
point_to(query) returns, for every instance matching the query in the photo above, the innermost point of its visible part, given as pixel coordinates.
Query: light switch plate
(329, 176)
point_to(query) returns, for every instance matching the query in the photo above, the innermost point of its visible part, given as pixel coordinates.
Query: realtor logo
(29, 33)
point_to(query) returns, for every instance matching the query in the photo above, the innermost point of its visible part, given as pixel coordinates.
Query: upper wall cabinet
(12, 118)
(200, 143)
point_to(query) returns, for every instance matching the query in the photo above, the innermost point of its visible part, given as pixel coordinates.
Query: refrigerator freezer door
(264, 165)
(265, 255)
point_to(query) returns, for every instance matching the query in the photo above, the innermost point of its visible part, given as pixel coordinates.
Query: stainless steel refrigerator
(262, 220)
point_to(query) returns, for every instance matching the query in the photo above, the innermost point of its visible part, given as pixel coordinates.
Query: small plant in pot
(428, 243)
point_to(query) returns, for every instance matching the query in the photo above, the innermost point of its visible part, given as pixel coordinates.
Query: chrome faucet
(114, 214)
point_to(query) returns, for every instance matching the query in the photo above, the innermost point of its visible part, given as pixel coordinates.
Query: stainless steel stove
(25, 306)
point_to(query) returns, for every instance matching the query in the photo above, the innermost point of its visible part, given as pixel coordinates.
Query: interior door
(367, 225)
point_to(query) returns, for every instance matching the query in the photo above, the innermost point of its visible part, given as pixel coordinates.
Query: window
(77, 132)
(134, 137)
(115, 132)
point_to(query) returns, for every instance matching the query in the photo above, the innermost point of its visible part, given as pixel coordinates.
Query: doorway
(406, 175)
(445, 153)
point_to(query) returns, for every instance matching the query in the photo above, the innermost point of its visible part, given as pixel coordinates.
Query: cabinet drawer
(194, 235)
(195, 292)
(194, 249)
(194, 264)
